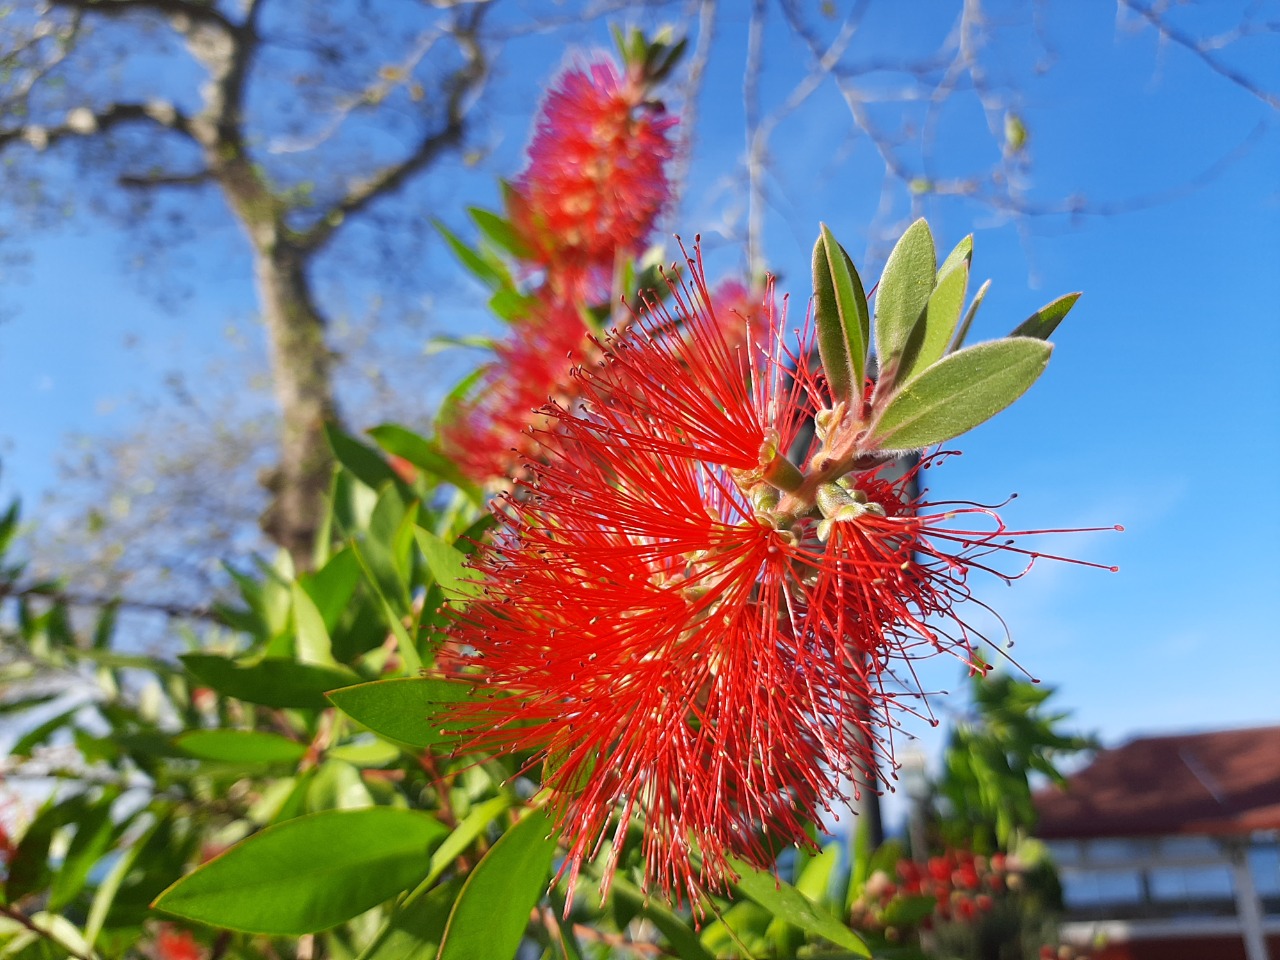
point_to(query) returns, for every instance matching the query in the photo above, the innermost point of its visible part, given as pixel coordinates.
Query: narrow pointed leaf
(904, 290)
(841, 317)
(242, 746)
(415, 930)
(963, 253)
(417, 923)
(425, 455)
(787, 903)
(363, 462)
(960, 392)
(1044, 321)
(271, 682)
(489, 918)
(487, 269)
(448, 566)
(402, 710)
(312, 636)
(682, 937)
(969, 314)
(308, 874)
(935, 329)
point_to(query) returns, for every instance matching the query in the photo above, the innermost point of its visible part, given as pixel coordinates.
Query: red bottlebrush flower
(596, 180)
(675, 632)
(172, 943)
(487, 434)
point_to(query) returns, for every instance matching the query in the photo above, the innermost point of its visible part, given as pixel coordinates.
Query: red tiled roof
(1225, 782)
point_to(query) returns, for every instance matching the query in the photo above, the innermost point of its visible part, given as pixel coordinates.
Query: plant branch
(84, 122)
(1185, 40)
(13, 913)
(462, 88)
(205, 13)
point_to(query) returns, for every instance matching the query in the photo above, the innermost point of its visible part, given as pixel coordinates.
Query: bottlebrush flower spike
(596, 179)
(487, 434)
(686, 628)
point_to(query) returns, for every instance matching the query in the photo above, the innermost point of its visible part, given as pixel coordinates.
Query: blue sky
(1159, 410)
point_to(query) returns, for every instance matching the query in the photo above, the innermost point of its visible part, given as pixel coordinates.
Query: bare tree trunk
(302, 368)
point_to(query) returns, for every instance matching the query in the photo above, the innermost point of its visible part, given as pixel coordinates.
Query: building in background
(1169, 847)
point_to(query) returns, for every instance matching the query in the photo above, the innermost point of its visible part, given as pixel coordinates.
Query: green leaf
(787, 903)
(28, 867)
(330, 588)
(38, 735)
(486, 269)
(308, 874)
(425, 455)
(449, 566)
(513, 306)
(961, 254)
(241, 746)
(404, 643)
(500, 231)
(902, 295)
(95, 830)
(270, 682)
(313, 645)
(402, 709)
(908, 911)
(421, 917)
(363, 462)
(960, 391)
(932, 335)
(841, 318)
(1044, 321)
(972, 312)
(415, 930)
(682, 938)
(466, 833)
(492, 911)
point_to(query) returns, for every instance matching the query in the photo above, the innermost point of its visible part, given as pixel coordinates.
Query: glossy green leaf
(39, 734)
(492, 911)
(29, 865)
(841, 318)
(486, 269)
(415, 929)
(424, 454)
(95, 831)
(269, 682)
(961, 391)
(449, 566)
(373, 753)
(500, 232)
(308, 874)
(241, 746)
(933, 334)
(1044, 321)
(908, 911)
(404, 643)
(420, 917)
(787, 903)
(402, 709)
(363, 462)
(969, 314)
(682, 938)
(903, 293)
(331, 587)
(387, 547)
(311, 634)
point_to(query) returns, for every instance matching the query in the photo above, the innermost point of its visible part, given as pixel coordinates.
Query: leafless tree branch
(1202, 50)
(461, 91)
(83, 121)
